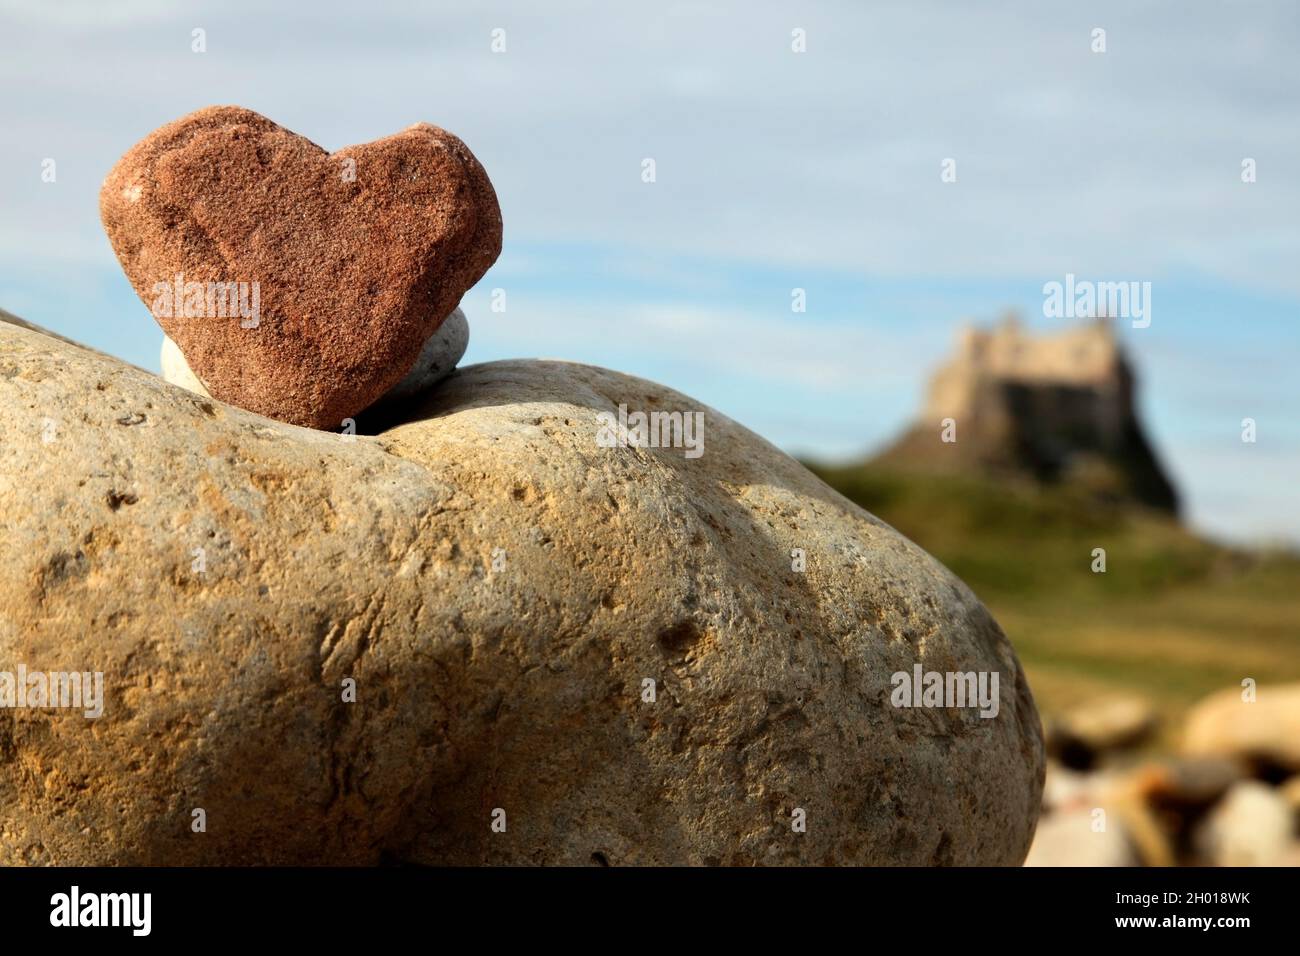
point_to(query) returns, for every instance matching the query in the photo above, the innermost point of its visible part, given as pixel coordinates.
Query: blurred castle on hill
(1057, 407)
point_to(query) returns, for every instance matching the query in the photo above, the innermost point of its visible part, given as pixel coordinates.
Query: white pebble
(437, 359)
(177, 371)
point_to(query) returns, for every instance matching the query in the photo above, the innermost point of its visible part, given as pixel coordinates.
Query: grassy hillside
(1173, 618)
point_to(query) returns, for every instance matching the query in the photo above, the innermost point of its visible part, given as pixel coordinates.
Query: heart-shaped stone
(299, 284)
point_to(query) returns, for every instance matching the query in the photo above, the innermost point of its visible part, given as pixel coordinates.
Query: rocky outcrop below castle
(1058, 408)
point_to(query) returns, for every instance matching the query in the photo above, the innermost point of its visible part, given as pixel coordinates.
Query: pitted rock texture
(501, 589)
(357, 255)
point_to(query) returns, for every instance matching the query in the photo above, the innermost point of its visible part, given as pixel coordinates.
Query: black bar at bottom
(919, 907)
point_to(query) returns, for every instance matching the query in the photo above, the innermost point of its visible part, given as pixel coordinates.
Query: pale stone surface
(1111, 722)
(443, 349)
(1069, 838)
(1066, 789)
(1108, 723)
(177, 371)
(1267, 728)
(1251, 826)
(501, 589)
(1191, 780)
(1290, 792)
(1290, 855)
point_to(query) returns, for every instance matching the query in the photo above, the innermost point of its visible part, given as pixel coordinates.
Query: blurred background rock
(1170, 681)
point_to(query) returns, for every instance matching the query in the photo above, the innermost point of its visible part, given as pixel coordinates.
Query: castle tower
(1055, 406)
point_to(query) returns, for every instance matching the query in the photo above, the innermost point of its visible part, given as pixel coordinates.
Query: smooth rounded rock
(442, 350)
(177, 371)
(1071, 838)
(609, 650)
(1252, 826)
(1087, 732)
(1265, 729)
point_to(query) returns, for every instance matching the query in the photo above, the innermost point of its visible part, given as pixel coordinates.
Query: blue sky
(775, 170)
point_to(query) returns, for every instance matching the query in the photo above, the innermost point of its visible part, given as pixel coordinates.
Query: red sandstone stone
(353, 272)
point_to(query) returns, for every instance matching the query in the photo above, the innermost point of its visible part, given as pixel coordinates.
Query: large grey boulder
(561, 652)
